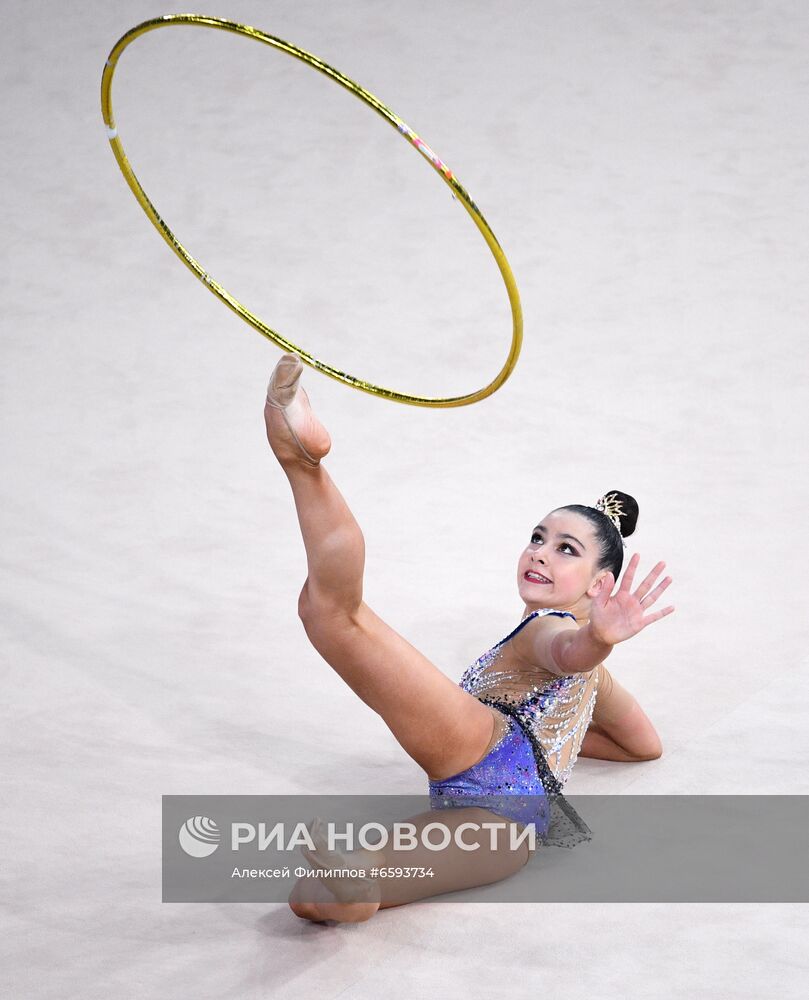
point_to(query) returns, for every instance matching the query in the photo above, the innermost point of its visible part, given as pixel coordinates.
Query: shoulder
(549, 615)
(537, 633)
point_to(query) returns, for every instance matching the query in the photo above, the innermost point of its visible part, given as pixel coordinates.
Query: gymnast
(522, 712)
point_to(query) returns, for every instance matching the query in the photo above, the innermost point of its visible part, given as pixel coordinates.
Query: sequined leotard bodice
(554, 710)
(540, 722)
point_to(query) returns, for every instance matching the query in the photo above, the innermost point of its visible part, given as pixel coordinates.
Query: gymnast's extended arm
(620, 730)
(565, 649)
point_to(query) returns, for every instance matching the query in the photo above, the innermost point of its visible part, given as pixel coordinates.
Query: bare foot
(294, 432)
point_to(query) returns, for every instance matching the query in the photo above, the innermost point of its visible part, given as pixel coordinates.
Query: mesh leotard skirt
(513, 780)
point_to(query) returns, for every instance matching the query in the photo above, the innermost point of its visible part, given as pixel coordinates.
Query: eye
(567, 545)
(536, 537)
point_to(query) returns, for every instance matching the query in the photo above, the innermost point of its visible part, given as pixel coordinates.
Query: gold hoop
(438, 165)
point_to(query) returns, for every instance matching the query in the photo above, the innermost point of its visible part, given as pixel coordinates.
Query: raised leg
(443, 728)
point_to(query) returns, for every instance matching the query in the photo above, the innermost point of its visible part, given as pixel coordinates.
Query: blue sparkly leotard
(543, 721)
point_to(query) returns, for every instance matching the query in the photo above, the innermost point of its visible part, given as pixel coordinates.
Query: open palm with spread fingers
(619, 616)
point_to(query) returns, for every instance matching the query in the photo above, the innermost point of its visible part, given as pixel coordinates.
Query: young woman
(522, 712)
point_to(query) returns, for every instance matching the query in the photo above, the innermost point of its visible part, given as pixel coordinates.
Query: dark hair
(608, 536)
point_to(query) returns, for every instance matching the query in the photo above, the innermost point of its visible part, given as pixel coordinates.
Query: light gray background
(644, 167)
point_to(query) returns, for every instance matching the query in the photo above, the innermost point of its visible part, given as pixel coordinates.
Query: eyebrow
(541, 527)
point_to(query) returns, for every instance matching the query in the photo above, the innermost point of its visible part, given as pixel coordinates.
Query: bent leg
(442, 727)
(455, 868)
(492, 857)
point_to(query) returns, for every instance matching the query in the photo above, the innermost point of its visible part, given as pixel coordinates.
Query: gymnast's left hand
(619, 616)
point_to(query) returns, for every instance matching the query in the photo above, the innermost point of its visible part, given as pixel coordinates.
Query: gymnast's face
(558, 567)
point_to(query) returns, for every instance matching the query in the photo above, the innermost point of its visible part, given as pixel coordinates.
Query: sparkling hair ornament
(610, 505)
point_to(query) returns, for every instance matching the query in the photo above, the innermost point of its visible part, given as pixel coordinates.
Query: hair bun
(628, 512)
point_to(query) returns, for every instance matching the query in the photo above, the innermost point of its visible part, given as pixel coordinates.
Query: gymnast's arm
(620, 729)
(560, 646)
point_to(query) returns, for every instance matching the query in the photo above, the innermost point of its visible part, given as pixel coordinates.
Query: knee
(321, 614)
(311, 607)
(305, 604)
(312, 610)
